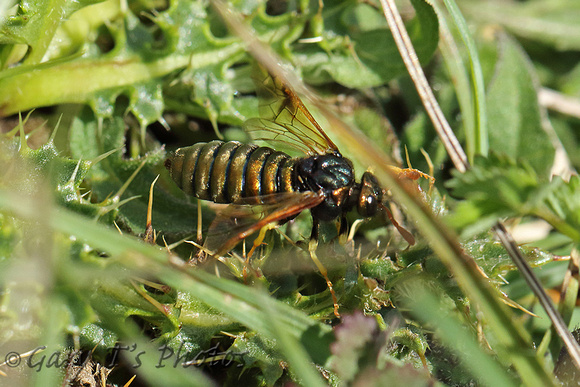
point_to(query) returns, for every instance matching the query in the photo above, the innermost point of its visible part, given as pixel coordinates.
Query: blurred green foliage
(94, 93)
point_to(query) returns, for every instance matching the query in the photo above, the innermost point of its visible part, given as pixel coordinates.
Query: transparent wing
(240, 220)
(284, 118)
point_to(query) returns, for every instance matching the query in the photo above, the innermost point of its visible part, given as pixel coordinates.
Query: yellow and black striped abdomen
(225, 172)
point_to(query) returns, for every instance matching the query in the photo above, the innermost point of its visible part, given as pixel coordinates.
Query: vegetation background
(93, 94)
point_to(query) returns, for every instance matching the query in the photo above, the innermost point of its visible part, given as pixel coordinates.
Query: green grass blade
(460, 79)
(427, 306)
(479, 138)
(444, 242)
(249, 306)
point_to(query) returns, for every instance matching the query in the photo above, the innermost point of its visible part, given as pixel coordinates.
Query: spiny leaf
(493, 259)
(363, 57)
(256, 351)
(499, 187)
(90, 139)
(33, 26)
(495, 187)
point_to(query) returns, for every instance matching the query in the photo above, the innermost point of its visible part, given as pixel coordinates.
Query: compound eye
(370, 196)
(367, 205)
(371, 205)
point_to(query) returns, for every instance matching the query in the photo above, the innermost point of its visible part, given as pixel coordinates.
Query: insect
(250, 176)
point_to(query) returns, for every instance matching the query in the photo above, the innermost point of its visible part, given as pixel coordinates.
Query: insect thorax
(330, 174)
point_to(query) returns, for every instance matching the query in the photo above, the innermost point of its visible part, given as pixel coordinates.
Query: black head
(370, 195)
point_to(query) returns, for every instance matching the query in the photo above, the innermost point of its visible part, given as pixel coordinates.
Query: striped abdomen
(225, 172)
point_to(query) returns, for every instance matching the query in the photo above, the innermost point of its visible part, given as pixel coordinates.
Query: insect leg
(404, 233)
(201, 255)
(342, 230)
(312, 245)
(315, 234)
(312, 250)
(414, 174)
(258, 241)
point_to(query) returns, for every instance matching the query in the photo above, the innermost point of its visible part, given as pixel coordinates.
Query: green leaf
(563, 204)
(494, 187)
(110, 71)
(494, 260)
(369, 57)
(497, 187)
(258, 352)
(553, 22)
(129, 68)
(35, 27)
(515, 125)
(64, 176)
(90, 139)
(471, 98)
(425, 303)
(570, 83)
(9, 237)
(146, 103)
